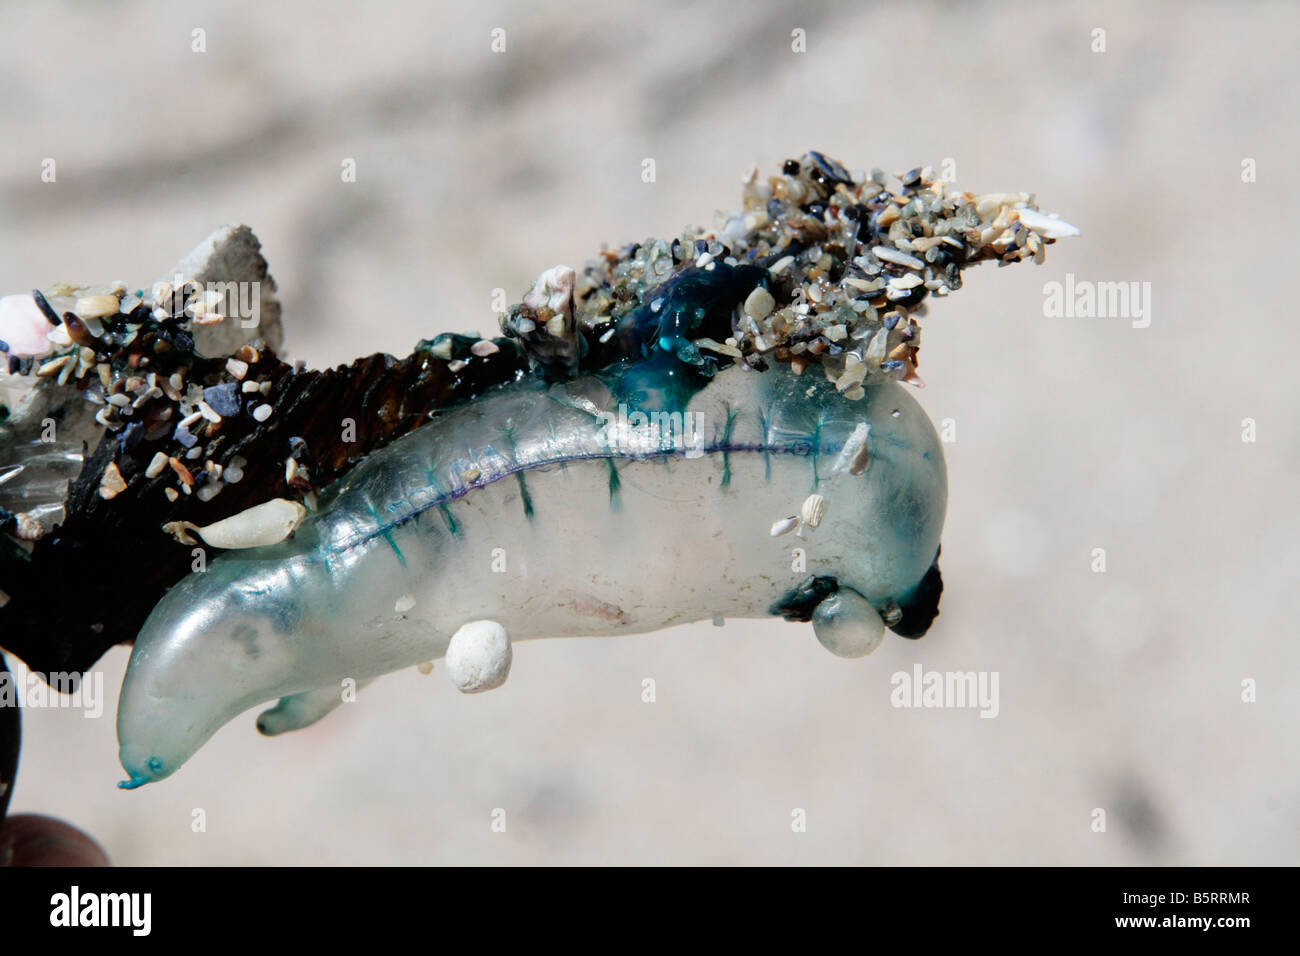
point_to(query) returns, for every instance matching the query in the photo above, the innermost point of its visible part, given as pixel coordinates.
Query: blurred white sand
(477, 170)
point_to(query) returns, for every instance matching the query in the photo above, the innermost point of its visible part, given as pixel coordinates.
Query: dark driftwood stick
(92, 582)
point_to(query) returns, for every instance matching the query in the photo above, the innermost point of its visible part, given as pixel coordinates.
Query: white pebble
(95, 306)
(735, 229)
(262, 412)
(404, 603)
(112, 483)
(905, 282)
(759, 304)
(208, 491)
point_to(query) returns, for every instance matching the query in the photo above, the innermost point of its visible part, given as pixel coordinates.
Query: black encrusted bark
(91, 583)
(10, 739)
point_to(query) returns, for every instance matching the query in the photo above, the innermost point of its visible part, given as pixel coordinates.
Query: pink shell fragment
(23, 326)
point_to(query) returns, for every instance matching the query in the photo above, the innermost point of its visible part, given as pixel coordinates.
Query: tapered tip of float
(149, 770)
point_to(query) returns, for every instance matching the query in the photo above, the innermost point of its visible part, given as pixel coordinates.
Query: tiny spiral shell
(814, 507)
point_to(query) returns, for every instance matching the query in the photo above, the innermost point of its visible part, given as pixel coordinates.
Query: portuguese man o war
(602, 532)
(646, 444)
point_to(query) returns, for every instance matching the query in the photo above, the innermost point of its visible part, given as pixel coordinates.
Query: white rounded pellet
(478, 657)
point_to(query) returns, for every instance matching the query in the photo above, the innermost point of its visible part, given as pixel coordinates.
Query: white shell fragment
(268, 523)
(553, 290)
(887, 254)
(1045, 225)
(478, 657)
(855, 455)
(784, 526)
(814, 507)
